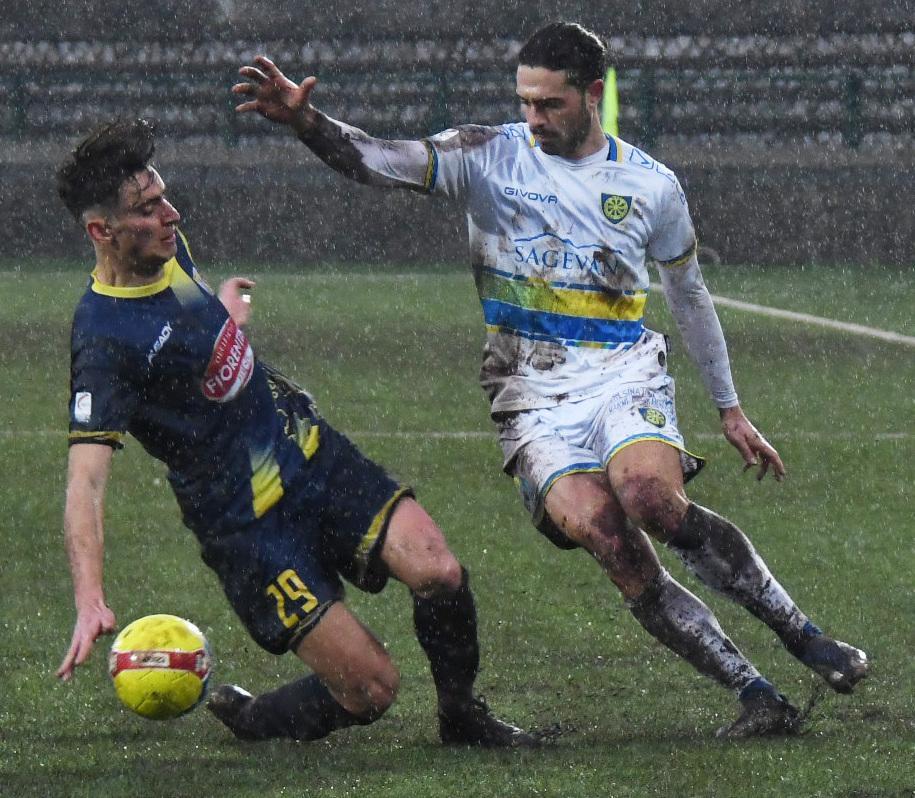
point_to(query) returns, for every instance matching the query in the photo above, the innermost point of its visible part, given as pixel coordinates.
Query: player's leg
(353, 681)
(647, 477)
(583, 507)
(570, 497)
(445, 619)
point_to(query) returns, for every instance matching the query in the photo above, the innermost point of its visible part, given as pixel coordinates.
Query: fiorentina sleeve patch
(230, 366)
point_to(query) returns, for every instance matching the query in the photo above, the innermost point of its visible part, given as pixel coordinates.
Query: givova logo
(530, 196)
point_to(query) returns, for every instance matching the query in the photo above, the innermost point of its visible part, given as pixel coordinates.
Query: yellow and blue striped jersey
(559, 250)
(165, 363)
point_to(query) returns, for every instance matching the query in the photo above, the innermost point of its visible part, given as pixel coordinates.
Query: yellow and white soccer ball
(160, 665)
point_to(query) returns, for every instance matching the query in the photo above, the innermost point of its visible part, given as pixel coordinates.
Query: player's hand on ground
(233, 295)
(275, 96)
(753, 447)
(91, 623)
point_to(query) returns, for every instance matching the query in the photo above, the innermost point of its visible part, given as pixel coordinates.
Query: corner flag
(610, 108)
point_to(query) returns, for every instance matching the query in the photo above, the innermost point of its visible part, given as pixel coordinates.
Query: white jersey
(559, 250)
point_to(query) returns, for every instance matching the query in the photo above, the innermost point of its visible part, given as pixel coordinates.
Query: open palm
(272, 94)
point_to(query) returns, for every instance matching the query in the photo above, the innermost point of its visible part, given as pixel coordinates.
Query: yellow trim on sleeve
(681, 259)
(429, 178)
(378, 522)
(81, 435)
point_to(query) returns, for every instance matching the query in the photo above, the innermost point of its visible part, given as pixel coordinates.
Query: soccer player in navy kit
(282, 504)
(563, 221)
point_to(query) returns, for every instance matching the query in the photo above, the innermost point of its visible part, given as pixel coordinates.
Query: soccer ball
(160, 665)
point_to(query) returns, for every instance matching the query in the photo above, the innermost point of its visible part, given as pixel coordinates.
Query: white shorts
(542, 445)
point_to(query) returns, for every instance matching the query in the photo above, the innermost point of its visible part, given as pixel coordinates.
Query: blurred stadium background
(791, 124)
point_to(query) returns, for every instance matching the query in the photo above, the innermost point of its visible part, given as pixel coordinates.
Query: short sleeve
(102, 395)
(674, 239)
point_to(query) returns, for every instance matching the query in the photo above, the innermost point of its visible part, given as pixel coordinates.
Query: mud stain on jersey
(546, 355)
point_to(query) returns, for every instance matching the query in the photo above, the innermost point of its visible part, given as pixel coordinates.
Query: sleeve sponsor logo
(82, 407)
(231, 365)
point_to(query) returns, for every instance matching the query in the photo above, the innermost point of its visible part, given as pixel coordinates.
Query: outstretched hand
(91, 624)
(276, 97)
(753, 447)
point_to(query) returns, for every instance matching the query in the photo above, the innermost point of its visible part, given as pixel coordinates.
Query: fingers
(253, 73)
(267, 65)
(78, 653)
(759, 452)
(245, 107)
(65, 671)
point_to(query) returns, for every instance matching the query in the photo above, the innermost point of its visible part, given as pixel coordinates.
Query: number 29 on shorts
(289, 588)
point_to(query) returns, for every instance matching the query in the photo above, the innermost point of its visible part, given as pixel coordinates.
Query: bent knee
(594, 524)
(374, 695)
(652, 502)
(442, 574)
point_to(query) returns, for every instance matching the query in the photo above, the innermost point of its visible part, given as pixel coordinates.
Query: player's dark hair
(93, 173)
(570, 47)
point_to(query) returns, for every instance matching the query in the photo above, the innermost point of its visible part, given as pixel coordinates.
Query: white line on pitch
(844, 326)
(458, 435)
(807, 318)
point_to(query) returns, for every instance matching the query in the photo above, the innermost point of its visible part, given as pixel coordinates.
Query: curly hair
(570, 47)
(93, 173)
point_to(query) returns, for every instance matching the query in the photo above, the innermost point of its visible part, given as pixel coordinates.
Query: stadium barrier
(809, 138)
(682, 87)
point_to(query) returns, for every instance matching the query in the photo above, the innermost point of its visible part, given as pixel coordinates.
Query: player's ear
(595, 91)
(98, 228)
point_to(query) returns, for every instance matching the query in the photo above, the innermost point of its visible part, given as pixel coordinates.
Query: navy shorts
(282, 572)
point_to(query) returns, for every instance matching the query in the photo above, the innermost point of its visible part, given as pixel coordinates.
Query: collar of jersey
(608, 153)
(135, 291)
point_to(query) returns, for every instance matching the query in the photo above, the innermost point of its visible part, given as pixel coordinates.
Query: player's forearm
(84, 538)
(361, 157)
(692, 308)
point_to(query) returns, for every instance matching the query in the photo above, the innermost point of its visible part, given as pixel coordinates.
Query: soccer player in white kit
(563, 220)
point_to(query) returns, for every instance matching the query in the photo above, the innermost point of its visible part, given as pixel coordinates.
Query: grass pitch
(392, 360)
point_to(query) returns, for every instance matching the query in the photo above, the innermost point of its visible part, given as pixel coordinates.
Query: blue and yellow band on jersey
(569, 313)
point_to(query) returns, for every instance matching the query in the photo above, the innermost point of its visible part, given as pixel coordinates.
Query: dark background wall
(319, 19)
(789, 195)
(825, 210)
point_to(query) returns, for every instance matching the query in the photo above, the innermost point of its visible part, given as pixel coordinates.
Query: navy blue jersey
(166, 363)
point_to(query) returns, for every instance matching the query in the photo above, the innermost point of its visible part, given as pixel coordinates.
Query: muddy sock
(680, 621)
(302, 710)
(723, 558)
(446, 627)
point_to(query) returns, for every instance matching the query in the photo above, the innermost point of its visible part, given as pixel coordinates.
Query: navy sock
(302, 710)
(446, 627)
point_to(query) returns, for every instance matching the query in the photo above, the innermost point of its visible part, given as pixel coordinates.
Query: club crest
(615, 207)
(652, 416)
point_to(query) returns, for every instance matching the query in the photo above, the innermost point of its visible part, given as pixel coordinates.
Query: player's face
(143, 228)
(560, 115)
